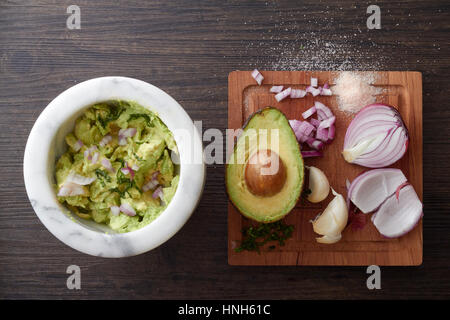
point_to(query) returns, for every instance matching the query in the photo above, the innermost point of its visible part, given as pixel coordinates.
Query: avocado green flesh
(259, 134)
(148, 150)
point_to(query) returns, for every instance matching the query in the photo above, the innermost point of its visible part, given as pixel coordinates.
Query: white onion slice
(396, 217)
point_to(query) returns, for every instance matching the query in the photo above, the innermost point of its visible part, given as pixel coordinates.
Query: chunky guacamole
(118, 169)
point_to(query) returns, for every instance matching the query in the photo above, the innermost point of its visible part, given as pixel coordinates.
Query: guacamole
(118, 169)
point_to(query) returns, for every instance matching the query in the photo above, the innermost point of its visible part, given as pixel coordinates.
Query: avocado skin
(263, 112)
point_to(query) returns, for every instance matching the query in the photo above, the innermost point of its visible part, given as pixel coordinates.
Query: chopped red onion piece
(107, 165)
(309, 89)
(79, 179)
(312, 153)
(314, 82)
(126, 133)
(306, 128)
(127, 209)
(297, 93)
(308, 113)
(327, 123)
(135, 167)
(115, 210)
(326, 85)
(315, 144)
(326, 92)
(257, 76)
(276, 89)
(294, 124)
(106, 139)
(331, 132)
(301, 137)
(324, 110)
(283, 94)
(322, 134)
(158, 193)
(69, 189)
(315, 92)
(95, 157)
(315, 122)
(125, 170)
(77, 146)
(150, 185)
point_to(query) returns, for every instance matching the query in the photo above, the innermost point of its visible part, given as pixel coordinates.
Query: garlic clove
(325, 224)
(318, 184)
(333, 219)
(329, 239)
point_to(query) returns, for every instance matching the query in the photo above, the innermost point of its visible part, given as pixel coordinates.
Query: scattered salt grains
(355, 90)
(300, 49)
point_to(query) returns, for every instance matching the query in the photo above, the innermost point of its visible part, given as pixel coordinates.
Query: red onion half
(377, 137)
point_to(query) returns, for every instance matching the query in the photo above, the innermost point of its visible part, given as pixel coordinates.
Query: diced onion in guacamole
(114, 167)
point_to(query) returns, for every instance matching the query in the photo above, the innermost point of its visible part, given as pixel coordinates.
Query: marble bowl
(46, 143)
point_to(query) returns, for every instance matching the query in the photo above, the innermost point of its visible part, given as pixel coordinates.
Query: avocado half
(267, 130)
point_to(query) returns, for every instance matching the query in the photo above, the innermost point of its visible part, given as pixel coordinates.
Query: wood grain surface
(402, 90)
(188, 48)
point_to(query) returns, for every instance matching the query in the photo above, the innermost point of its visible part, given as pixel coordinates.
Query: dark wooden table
(187, 48)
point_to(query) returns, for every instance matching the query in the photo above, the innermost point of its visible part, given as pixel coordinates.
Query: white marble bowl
(46, 143)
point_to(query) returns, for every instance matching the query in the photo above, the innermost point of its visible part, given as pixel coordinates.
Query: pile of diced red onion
(315, 132)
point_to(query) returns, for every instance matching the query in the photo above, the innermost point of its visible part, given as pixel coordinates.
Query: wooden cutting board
(402, 90)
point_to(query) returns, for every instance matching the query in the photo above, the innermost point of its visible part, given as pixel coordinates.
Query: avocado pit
(265, 173)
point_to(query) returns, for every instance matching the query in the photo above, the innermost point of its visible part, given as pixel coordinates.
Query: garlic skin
(318, 184)
(332, 221)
